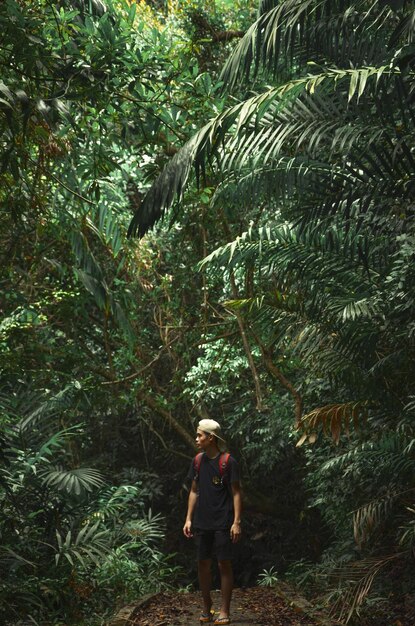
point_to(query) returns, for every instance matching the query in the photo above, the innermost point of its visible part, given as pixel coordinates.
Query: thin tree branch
(258, 392)
(168, 417)
(62, 184)
(143, 369)
(163, 443)
(276, 372)
(227, 35)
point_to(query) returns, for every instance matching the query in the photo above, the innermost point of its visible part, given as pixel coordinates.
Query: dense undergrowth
(278, 297)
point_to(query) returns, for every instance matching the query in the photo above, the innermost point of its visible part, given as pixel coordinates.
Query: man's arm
(237, 508)
(187, 528)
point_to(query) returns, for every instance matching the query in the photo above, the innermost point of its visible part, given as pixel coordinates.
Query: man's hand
(236, 532)
(187, 529)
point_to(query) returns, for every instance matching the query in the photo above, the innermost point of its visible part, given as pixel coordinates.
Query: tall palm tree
(323, 145)
(327, 153)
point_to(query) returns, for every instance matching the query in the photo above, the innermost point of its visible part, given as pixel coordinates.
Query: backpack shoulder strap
(197, 461)
(223, 463)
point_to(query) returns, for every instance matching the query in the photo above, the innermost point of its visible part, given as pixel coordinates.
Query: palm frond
(11, 558)
(88, 545)
(172, 180)
(407, 530)
(91, 274)
(392, 453)
(334, 418)
(56, 441)
(369, 516)
(49, 408)
(360, 576)
(298, 99)
(405, 30)
(113, 501)
(293, 31)
(300, 254)
(74, 481)
(146, 529)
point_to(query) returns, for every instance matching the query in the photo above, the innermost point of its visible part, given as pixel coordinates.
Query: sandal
(221, 621)
(207, 618)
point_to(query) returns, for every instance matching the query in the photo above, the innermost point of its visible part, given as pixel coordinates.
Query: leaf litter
(255, 606)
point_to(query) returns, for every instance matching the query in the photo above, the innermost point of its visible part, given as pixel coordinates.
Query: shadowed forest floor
(256, 606)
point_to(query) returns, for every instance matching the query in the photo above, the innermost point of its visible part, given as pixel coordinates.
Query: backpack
(223, 463)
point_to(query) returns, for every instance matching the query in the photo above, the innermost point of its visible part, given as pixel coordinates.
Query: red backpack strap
(223, 463)
(196, 463)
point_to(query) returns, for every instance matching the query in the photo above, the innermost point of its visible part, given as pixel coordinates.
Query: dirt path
(257, 606)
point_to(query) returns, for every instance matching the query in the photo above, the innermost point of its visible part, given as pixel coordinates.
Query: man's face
(203, 440)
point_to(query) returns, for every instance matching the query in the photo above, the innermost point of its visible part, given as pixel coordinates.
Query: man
(214, 515)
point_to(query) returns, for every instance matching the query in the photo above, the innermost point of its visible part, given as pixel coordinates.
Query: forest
(207, 211)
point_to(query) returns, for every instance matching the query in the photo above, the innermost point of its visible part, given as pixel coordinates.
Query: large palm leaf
(305, 112)
(296, 120)
(291, 32)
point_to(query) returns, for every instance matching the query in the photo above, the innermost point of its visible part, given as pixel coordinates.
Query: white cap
(213, 428)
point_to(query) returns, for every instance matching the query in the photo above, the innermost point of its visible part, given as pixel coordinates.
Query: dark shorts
(213, 542)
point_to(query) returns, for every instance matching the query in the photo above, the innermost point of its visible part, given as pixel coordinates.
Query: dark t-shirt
(214, 507)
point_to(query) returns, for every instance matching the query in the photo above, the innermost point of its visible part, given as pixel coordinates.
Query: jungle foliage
(322, 146)
(277, 296)
(94, 99)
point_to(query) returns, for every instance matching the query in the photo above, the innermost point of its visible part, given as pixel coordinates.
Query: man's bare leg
(226, 586)
(205, 582)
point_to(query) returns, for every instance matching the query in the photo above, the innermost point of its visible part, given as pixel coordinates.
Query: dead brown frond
(334, 418)
(359, 577)
(369, 516)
